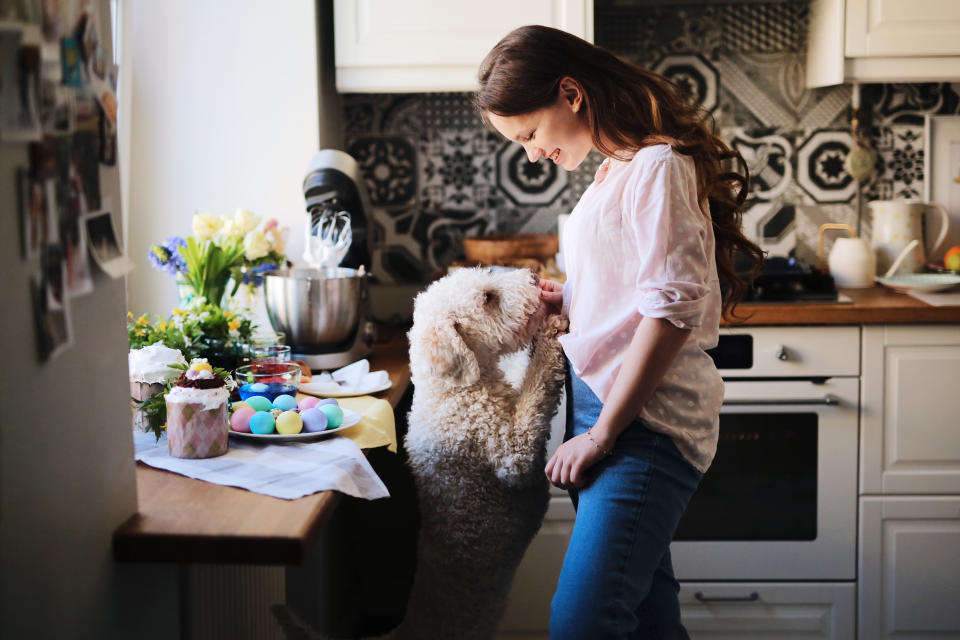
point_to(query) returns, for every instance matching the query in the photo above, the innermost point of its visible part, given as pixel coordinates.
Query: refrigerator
(67, 474)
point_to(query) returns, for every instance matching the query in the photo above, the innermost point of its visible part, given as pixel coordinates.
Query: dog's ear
(439, 351)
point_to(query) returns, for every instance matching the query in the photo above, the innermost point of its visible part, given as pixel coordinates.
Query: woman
(647, 250)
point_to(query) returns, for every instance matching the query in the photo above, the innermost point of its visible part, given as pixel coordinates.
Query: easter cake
(197, 418)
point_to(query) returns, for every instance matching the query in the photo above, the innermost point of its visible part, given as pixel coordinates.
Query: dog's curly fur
(477, 447)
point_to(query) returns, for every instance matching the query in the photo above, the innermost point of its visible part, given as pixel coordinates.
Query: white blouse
(637, 244)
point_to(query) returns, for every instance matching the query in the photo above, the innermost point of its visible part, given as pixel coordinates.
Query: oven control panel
(788, 352)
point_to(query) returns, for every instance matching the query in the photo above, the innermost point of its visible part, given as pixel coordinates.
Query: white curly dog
(477, 446)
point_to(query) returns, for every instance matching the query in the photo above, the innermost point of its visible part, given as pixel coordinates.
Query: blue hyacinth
(166, 256)
(255, 275)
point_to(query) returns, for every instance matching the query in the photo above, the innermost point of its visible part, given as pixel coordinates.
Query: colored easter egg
(308, 402)
(284, 402)
(259, 403)
(334, 415)
(239, 404)
(262, 423)
(257, 387)
(240, 420)
(314, 420)
(330, 401)
(289, 422)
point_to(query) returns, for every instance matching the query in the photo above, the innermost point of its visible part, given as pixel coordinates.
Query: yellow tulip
(205, 226)
(245, 221)
(255, 245)
(234, 324)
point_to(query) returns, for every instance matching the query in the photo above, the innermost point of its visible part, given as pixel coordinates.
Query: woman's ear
(571, 92)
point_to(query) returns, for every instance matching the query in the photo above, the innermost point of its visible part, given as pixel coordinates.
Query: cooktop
(790, 280)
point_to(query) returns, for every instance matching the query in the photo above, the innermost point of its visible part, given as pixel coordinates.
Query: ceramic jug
(895, 224)
(851, 262)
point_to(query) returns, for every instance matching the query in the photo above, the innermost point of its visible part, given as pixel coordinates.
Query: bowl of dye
(267, 379)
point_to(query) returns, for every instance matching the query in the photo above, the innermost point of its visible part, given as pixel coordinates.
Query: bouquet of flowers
(222, 249)
(191, 330)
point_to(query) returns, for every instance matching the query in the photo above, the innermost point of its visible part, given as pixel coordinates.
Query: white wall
(224, 115)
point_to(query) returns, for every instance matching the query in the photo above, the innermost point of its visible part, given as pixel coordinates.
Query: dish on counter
(315, 389)
(923, 282)
(350, 419)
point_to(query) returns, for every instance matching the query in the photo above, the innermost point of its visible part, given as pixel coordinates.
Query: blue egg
(262, 423)
(257, 387)
(330, 401)
(314, 420)
(259, 403)
(334, 415)
(284, 402)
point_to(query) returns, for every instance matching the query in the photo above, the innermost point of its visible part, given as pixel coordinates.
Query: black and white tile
(435, 175)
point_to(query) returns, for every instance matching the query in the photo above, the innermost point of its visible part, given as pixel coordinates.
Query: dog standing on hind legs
(476, 447)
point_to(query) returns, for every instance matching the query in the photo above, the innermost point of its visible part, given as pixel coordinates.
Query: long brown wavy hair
(626, 108)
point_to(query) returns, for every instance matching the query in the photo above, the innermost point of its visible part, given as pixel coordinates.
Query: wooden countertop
(180, 519)
(876, 305)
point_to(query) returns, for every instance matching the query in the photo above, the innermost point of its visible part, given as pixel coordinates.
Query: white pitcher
(851, 262)
(895, 224)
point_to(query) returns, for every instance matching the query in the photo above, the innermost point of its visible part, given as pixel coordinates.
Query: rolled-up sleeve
(673, 242)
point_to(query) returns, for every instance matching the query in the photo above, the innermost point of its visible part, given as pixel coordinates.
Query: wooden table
(185, 520)
(875, 305)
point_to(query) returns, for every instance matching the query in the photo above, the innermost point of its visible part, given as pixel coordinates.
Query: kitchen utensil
(322, 313)
(851, 262)
(895, 224)
(900, 258)
(924, 282)
(328, 239)
(334, 184)
(496, 248)
(267, 379)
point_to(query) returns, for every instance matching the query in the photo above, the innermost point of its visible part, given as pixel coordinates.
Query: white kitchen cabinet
(910, 415)
(909, 568)
(764, 610)
(883, 41)
(434, 45)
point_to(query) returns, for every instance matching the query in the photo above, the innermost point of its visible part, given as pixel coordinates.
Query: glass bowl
(267, 379)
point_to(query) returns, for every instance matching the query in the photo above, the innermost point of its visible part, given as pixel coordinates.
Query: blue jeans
(617, 578)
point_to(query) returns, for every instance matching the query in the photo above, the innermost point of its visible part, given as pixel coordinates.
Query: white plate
(346, 393)
(350, 419)
(920, 281)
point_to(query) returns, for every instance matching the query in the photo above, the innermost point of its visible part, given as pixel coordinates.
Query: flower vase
(225, 354)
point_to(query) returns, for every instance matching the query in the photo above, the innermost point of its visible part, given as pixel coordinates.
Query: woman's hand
(569, 463)
(552, 294)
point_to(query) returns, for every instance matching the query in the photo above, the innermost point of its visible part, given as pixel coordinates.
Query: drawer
(802, 352)
(762, 610)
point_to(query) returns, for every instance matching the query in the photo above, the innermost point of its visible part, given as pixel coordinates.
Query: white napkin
(355, 378)
(289, 471)
(940, 299)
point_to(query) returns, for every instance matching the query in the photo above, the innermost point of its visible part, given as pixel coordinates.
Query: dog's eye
(489, 297)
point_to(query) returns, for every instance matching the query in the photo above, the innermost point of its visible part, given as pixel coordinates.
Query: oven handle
(753, 597)
(828, 400)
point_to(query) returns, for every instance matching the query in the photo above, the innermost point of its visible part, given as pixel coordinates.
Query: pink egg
(240, 420)
(308, 403)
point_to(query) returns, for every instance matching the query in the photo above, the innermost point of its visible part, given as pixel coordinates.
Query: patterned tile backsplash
(435, 174)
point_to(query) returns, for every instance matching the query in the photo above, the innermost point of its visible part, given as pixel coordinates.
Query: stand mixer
(322, 309)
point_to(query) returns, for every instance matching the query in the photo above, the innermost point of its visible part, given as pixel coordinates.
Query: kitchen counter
(185, 520)
(876, 305)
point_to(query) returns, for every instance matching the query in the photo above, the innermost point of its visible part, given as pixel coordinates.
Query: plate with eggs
(283, 419)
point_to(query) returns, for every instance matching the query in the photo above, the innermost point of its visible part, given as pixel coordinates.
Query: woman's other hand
(568, 466)
(552, 294)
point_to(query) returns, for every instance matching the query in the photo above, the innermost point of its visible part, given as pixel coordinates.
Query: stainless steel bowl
(318, 310)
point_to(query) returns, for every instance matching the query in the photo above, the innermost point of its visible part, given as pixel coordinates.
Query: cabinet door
(764, 611)
(432, 45)
(900, 28)
(910, 439)
(909, 568)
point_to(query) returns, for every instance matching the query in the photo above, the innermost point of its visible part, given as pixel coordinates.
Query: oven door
(779, 501)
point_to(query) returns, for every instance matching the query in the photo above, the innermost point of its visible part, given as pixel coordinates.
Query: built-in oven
(779, 501)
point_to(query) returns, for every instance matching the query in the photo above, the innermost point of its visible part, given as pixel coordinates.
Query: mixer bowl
(317, 310)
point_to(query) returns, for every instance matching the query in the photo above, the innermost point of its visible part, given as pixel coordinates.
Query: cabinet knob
(782, 353)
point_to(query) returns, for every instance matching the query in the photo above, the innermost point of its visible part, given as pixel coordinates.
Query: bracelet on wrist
(597, 445)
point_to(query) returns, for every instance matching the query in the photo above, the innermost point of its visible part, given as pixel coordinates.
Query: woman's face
(555, 132)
